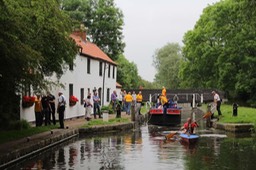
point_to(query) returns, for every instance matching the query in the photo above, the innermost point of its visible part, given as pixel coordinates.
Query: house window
(82, 96)
(88, 66)
(108, 94)
(100, 71)
(70, 90)
(113, 72)
(71, 66)
(109, 67)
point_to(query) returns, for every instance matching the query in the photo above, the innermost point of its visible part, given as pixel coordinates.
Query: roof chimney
(81, 32)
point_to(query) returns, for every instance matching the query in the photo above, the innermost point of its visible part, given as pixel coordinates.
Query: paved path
(27, 142)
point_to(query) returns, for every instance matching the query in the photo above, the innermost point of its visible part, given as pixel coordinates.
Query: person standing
(61, 109)
(46, 110)
(51, 99)
(217, 102)
(175, 99)
(38, 111)
(88, 107)
(163, 91)
(128, 102)
(114, 100)
(139, 99)
(96, 105)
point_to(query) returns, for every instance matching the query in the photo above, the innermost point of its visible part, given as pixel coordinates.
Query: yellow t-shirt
(128, 98)
(139, 98)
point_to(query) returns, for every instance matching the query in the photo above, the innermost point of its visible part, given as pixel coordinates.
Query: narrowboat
(165, 117)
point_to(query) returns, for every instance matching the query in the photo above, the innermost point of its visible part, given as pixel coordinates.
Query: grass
(97, 122)
(244, 114)
(6, 136)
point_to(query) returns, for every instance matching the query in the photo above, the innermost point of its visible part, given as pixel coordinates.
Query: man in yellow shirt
(128, 102)
(163, 91)
(139, 99)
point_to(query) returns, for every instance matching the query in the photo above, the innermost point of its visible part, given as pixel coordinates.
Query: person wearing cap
(217, 101)
(61, 109)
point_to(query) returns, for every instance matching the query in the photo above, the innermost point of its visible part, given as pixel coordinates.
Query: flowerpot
(72, 103)
(105, 116)
(27, 104)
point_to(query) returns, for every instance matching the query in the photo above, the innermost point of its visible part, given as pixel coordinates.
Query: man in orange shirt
(38, 111)
(163, 91)
(128, 102)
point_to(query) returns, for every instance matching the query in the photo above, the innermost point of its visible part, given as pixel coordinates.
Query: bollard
(235, 106)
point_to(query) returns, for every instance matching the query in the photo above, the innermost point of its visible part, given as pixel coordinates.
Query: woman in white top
(88, 103)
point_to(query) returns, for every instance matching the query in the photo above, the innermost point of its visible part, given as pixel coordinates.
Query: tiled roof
(91, 49)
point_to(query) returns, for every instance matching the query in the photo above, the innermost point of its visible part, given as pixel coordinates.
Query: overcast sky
(151, 24)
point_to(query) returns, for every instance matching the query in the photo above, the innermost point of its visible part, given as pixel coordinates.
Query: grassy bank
(6, 136)
(97, 122)
(244, 114)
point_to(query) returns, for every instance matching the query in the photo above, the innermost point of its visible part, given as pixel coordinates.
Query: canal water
(145, 148)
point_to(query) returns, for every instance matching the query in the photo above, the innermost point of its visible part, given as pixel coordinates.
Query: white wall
(80, 79)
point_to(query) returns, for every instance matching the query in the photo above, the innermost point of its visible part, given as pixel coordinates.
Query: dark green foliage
(34, 43)
(220, 52)
(103, 20)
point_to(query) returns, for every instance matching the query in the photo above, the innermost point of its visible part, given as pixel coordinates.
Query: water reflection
(145, 149)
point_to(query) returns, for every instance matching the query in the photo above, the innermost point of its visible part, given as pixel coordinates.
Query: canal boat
(189, 138)
(165, 117)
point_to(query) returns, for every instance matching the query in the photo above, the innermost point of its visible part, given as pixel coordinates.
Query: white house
(92, 69)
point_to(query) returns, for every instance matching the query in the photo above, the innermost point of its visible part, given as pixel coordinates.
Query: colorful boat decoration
(189, 138)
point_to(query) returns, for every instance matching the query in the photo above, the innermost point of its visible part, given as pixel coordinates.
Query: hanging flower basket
(72, 100)
(28, 101)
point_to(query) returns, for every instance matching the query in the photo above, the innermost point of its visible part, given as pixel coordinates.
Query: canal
(144, 148)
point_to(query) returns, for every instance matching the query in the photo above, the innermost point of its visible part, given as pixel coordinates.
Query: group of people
(45, 109)
(92, 103)
(163, 102)
(124, 101)
(127, 100)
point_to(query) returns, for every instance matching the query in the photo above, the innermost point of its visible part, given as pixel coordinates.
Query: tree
(167, 61)
(220, 51)
(103, 20)
(127, 73)
(34, 43)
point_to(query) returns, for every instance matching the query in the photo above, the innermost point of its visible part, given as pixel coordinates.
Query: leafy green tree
(167, 61)
(127, 73)
(103, 20)
(34, 43)
(220, 51)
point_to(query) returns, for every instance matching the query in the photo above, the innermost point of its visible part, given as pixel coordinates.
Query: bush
(18, 125)
(107, 109)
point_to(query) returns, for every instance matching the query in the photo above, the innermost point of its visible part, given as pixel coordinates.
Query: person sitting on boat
(189, 126)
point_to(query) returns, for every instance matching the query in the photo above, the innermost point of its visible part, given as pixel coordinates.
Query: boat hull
(170, 117)
(189, 139)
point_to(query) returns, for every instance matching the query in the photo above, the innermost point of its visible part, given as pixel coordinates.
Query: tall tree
(103, 20)
(127, 73)
(34, 43)
(167, 61)
(220, 51)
